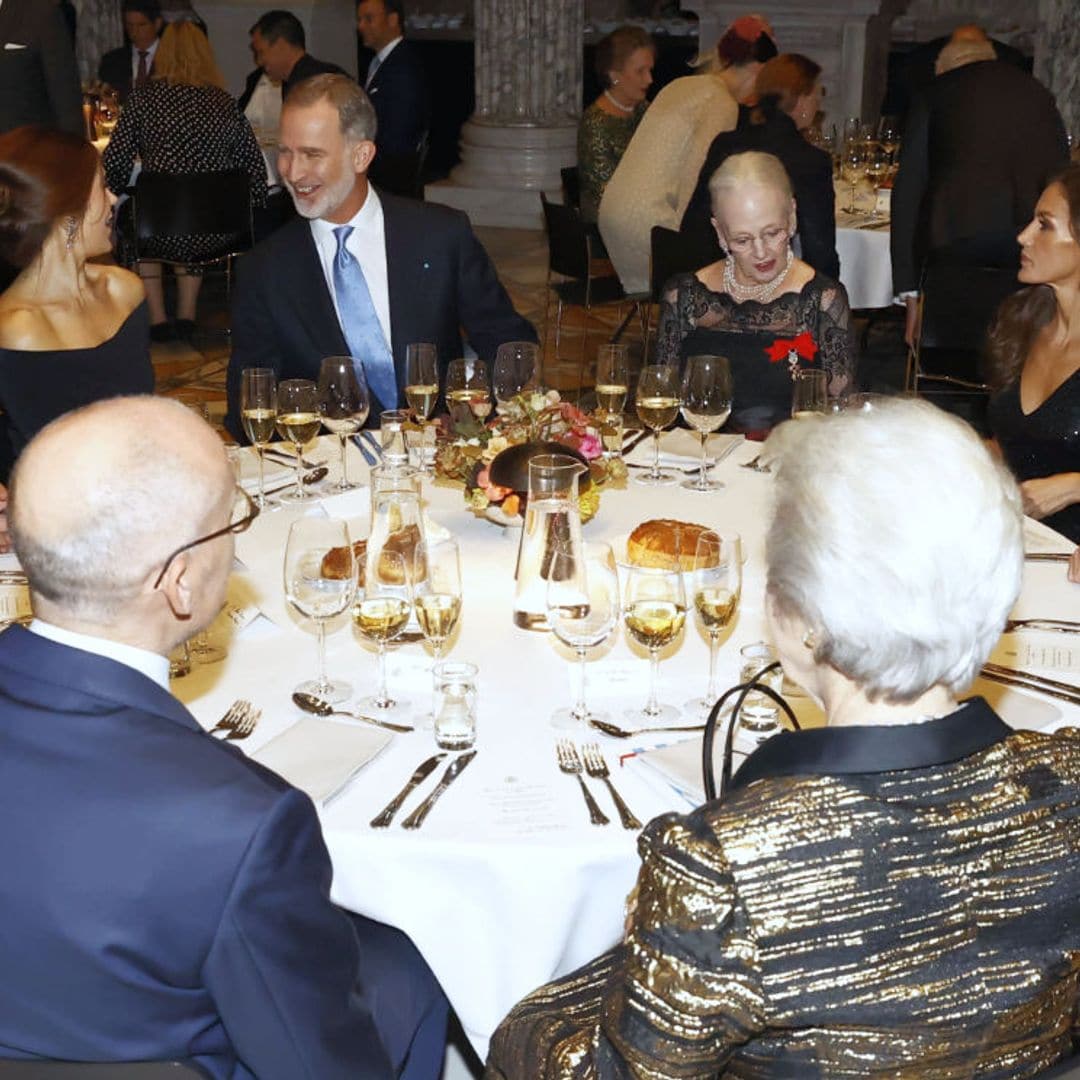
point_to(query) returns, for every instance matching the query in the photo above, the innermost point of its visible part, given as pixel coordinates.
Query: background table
(865, 262)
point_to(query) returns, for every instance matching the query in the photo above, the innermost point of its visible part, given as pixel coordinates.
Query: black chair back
(568, 245)
(401, 174)
(676, 253)
(93, 1070)
(571, 186)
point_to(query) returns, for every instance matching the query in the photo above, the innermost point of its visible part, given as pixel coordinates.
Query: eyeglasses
(770, 238)
(244, 511)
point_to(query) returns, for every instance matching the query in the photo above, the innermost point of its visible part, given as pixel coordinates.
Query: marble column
(1057, 58)
(528, 100)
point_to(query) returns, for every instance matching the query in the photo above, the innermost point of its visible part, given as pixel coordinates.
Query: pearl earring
(808, 640)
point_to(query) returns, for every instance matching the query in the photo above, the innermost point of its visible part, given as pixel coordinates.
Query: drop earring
(71, 229)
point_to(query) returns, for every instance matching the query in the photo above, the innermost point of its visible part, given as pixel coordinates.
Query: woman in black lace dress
(182, 121)
(766, 311)
(1035, 360)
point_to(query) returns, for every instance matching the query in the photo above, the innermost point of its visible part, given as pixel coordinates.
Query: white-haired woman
(896, 894)
(768, 312)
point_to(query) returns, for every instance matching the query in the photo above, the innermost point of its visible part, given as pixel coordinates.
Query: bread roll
(665, 543)
(335, 566)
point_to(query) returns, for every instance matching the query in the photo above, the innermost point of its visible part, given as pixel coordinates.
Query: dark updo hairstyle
(613, 50)
(781, 82)
(45, 175)
(748, 40)
(1022, 315)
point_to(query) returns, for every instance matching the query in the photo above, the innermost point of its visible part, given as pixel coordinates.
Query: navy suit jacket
(440, 280)
(162, 896)
(115, 69)
(399, 93)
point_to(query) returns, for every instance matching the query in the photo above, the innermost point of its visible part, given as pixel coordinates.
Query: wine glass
(808, 393)
(421, 379)
(851, 169)
(298, 421)
(852, 128)
(706, 405)
(258, 411)
(344, 403)
(612, 377)
(320, 582)
(437, 593)
(876, 167)
(657, 405)
(717, 585)
(654, 612)
(889, 136)
(582, 607)
(468, 393)
(381, 611)
(515, 369)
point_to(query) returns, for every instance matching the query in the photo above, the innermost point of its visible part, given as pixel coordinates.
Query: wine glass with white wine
(437, 595)
(421, 379)
(654, 613)
(298, 421)
(320, 582)
(612, 377)
(657, 405)
(717, 585)
(344, 402)
(258, 412)
(381, 612)
(706, 405)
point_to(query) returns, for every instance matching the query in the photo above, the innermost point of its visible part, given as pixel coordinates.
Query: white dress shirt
(150, 54)
(380, 59)
(151, 664)
(367, 244)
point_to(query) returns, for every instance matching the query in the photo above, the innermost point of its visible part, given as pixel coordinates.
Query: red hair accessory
(750, 27)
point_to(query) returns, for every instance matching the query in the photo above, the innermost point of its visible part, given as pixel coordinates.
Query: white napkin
(321, 756)
(247, 466)
(682, 449)
(1039, 538)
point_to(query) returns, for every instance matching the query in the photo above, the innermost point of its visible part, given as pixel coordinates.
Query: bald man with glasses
(165, 897)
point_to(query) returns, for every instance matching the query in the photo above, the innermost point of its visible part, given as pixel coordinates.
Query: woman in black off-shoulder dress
(1035, 360)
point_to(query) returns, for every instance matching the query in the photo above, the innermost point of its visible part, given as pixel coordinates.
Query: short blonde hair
(958, 53)
(898, 539)
(748, 169)
(184, 57)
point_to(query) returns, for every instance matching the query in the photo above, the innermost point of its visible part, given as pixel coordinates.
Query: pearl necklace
(762, 292)
(618, 104)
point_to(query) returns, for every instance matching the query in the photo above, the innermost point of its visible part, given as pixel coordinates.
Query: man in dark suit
(397, 86)
(978, 148)
(132, 65)
(164, 895)
(39, 81)
(358, 273)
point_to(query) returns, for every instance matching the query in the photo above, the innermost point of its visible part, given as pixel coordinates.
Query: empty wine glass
(657, 405)
(380, 612)
(468, 392)
(717, 585)
(298, 420)
(654, 612)
(344, 403)
(515, 369)
(706, 405)
(320, 582)
(258, 411)
(437, 594)
(582, 607)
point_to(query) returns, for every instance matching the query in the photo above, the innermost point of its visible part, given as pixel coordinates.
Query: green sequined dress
(602, 140)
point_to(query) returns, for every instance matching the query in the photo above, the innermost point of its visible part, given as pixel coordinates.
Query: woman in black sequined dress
(1035, 360)
(766, 311)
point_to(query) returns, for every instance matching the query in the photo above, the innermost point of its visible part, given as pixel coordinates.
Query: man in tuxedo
(39, 81)
(164, 895)
(132, 65)
(359, 272)
(397, 86)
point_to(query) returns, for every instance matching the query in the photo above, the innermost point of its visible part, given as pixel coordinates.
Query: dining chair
(401, 174)
(96, 1070)
(571, 186)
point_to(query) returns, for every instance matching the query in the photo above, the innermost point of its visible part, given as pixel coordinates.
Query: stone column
(528, 100)
(1057, 58)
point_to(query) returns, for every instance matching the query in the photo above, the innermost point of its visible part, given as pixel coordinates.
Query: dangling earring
(71, 229)
(614, 82)
(808, 639)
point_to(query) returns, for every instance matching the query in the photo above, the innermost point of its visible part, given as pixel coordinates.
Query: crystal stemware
(706, 405)
(717, 585)
(258, 412)
(380, 612)
(468, 392)
(298, 420)
(654, 613)
(657, 405)
(344, 403)
(437, 594)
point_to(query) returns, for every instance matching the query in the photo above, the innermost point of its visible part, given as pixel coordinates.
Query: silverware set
(1026, 680)
(370, 448)
(1061, 625)
(566, 754)
(456, 767)
(237, 723)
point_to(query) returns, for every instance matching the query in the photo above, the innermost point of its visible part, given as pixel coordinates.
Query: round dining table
(508, 884)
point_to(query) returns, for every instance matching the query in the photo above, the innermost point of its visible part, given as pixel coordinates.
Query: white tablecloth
(507, 885)
(865, 263)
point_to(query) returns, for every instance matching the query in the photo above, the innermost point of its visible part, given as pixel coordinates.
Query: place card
(525, 809)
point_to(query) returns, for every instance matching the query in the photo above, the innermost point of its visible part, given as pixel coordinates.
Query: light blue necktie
(363, 331)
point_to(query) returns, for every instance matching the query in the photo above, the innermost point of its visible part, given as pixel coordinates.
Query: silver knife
(365, 453)
(453, 770)
(423, 771)
(1063, 625)
(1048, 556)
(376, 446)
(290, 459)
(1027, 681)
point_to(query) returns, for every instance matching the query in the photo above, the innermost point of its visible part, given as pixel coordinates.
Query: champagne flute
(421, 379)
(258, 411)
(706, 405)
(717, 585)
(808, 393)
(654, 612)
(320, 587)
(298, 421)
(657, 405)
(612, 377)
(582, 608)
(468, 394)
(344, 403)
(437, 595)
(515, 369)
(851, 169)
(380, 612)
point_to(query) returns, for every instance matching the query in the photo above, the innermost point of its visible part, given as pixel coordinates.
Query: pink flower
(589, 447)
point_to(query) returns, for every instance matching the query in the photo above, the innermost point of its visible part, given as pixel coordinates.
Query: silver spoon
(312, 477)
(622, 733)
(310, 703)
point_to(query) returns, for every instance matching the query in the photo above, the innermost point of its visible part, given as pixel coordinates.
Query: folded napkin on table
(682, 449)
(321, 756)
(860, 220)
(1040, 538)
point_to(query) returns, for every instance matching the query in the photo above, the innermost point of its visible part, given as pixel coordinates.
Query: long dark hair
(45, 175)
(1022, 315)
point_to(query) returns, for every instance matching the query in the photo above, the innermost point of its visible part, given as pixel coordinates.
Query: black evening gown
(37, 386)
(1042, 443)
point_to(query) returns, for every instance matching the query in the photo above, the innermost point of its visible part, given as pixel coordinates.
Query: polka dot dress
(176, 128)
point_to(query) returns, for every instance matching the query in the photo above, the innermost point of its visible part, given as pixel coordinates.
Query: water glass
(455, 704)
(808, 393)
(392, 436)
(760, 714)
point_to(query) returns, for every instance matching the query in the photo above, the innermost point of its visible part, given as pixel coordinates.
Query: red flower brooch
(792, 349)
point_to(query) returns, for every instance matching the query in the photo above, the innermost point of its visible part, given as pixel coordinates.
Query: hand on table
(1046, 495)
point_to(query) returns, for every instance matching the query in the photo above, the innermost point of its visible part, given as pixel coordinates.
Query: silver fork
(228, 721)
(597, 768)
(245, 725)
(570, 763)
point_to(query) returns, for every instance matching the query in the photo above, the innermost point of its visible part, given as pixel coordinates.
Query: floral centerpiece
(470, 456)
